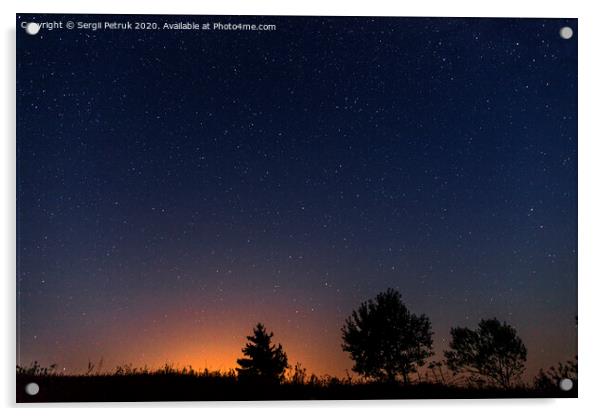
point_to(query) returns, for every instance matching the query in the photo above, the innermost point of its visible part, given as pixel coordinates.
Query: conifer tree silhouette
(263, 360)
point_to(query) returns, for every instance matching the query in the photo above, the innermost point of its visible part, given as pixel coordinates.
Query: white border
(590, 204)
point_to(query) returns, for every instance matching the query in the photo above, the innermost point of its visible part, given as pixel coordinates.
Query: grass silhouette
(131, 384)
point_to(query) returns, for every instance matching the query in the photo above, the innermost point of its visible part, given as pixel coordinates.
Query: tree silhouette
(385, 340)
(266, 362)
(550, 379)
(493, 353)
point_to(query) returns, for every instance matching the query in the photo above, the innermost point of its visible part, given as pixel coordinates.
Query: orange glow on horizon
(196, 330)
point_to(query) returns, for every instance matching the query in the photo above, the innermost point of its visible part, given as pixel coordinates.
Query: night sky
(176, 187)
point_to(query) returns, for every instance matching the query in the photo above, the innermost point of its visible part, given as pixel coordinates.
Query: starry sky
(176, 187)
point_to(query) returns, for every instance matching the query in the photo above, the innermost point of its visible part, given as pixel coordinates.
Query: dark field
(208, 387)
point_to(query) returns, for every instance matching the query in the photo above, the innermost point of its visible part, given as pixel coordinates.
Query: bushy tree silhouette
(266, 362)
(550, 379)
(492, 353)
(385, 340)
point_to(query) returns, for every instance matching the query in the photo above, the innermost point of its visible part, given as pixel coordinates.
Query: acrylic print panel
(263, 207)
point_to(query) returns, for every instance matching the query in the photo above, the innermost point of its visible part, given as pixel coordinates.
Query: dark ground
(152, 387)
